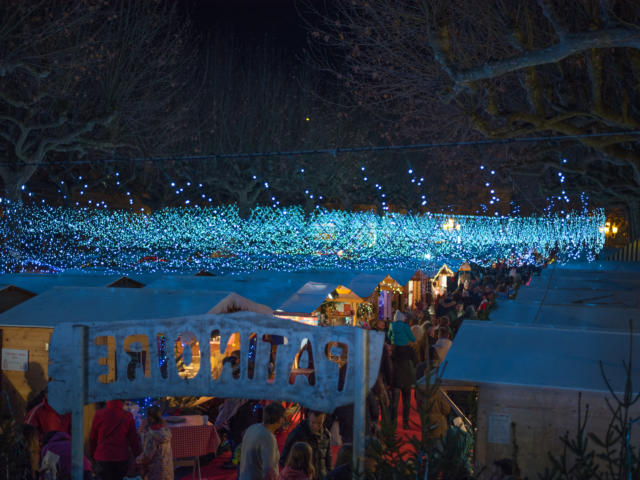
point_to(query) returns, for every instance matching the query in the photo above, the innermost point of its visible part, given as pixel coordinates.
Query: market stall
(440, 281)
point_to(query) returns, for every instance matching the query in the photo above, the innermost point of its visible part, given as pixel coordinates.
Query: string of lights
(282, 239)
(334, 151)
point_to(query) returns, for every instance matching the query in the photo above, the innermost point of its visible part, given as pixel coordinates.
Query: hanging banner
(243, 354)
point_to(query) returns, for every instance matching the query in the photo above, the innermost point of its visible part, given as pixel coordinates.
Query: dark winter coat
(341, 472)
(320, 446)
(404, 366)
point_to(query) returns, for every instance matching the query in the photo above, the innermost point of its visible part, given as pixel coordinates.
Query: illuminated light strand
(342, 150)
(282, 239)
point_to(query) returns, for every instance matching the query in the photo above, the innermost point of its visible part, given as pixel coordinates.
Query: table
(192, 438)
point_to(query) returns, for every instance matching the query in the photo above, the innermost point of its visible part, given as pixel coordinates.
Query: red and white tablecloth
(191, 438)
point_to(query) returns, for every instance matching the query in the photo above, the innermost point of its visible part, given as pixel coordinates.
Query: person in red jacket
(45, 419)
(113, 441)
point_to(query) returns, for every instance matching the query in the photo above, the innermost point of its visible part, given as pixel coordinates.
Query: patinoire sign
(244, 354)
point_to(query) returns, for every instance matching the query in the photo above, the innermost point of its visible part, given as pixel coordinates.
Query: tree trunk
(633, 212)
(346, 203)
(309, 205)
(244, 207)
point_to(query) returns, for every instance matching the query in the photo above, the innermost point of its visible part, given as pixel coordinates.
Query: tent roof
(599, 266)
(263, 287)
(9, 287)
(364, 284)
(41, 282)
(564, 316)
(235, 301)
(71, 304)
(486, 353)
(577, 298)
(308, 298)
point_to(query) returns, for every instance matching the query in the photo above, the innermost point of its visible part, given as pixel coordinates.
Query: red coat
(113, 436)
(45, 419)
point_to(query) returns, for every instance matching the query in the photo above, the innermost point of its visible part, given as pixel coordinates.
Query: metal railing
(628, 253)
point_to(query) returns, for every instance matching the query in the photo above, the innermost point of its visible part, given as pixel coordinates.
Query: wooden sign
(243, 354)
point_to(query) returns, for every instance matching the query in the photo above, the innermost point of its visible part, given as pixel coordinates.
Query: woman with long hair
(299, 465)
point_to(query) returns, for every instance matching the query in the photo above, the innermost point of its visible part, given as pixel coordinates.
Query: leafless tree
(86, 77)
(465, 69)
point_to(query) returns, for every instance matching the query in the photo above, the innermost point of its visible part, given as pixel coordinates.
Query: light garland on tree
(286, 239)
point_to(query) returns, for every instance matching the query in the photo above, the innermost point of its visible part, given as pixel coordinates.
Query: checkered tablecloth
(192, 438)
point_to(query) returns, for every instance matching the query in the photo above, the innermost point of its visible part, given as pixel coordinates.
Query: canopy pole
(79, 383)
(360, 400)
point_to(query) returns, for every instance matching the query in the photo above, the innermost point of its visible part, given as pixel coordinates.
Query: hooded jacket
(156, 457)
(45, 419)
(400, 333)
(113, 436)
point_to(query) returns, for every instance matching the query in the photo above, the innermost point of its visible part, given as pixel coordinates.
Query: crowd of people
(117, 447)
(417, 344)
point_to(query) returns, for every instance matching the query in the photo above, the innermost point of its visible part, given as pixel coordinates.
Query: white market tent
(575, 316)
(566, 296)
(563, 358)
(41, 282)
(74, 304)
(233, 301)
(558, 328)
(308, 298)
(534, 356)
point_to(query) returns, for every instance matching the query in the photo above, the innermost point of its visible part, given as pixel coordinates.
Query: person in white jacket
(156, 458)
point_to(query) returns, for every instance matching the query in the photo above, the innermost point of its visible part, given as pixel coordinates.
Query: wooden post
(79, 375)
(360, 400)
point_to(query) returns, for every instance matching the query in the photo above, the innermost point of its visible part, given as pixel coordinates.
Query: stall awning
(308, 298)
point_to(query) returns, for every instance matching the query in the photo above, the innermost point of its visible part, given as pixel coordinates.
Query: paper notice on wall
(16, 360)
(499, 428)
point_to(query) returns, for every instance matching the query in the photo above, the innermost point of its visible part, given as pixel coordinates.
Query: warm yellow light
(614, 229)
(307, 119)
(458, 226)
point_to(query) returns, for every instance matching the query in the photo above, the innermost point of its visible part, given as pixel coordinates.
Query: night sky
(274, 20)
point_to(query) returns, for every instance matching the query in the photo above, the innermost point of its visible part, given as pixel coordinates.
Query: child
(298, 466)
(156, 458)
